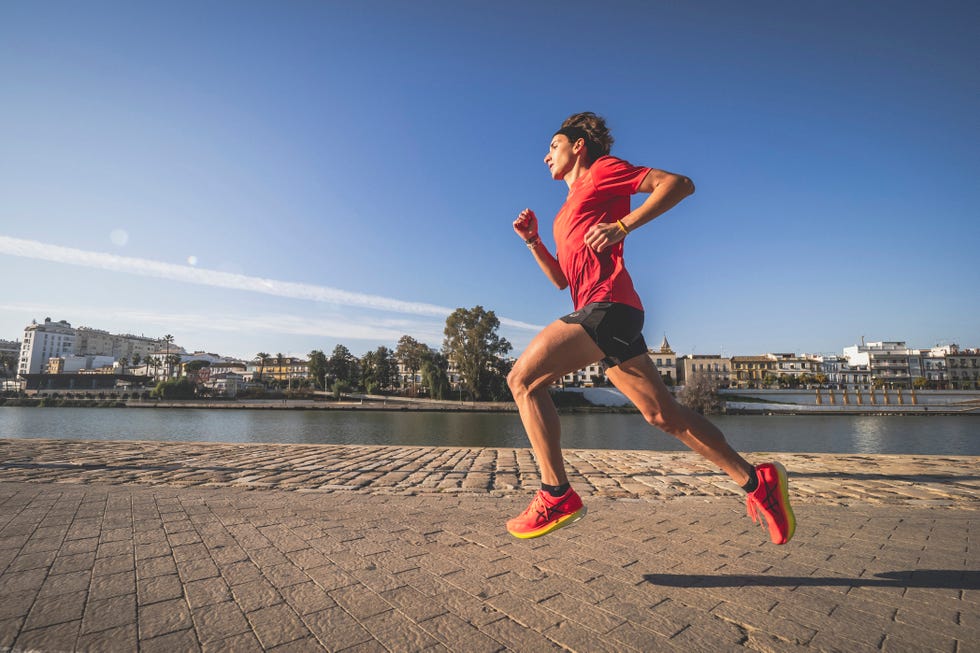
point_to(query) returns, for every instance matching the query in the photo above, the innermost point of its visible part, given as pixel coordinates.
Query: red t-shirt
(600, 195)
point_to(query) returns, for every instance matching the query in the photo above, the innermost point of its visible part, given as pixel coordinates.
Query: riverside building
(42, 342)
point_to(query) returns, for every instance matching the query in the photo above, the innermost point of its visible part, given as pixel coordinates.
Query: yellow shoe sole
(567, 520)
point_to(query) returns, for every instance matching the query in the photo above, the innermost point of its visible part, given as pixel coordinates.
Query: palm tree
(263, 360)
(279, 359)
(168, 339)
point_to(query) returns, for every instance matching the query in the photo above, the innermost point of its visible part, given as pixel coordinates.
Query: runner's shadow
(926, 578)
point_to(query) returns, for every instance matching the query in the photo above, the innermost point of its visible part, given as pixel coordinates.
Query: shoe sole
(784, 492)
(567, 520)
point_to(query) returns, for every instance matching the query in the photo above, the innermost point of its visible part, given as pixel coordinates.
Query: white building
(830, 366)
(42, 342)
(886, 363)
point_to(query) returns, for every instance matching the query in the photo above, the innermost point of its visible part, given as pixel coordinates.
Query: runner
(606, 326)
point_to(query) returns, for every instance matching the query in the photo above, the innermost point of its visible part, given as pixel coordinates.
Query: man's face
(561, 156)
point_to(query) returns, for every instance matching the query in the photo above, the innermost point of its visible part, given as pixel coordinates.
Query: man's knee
(517, 382)
(664, 418)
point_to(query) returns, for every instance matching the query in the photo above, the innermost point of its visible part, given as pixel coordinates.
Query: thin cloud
(339, 327)
(36, 250)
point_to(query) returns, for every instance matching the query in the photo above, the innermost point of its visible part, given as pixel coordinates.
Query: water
(937, 435)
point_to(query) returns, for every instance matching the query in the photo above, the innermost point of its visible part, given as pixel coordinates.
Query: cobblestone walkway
(952, 481)
(156, 547)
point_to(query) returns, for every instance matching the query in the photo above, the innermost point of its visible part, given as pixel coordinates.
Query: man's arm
(665, 190)
(526, 226)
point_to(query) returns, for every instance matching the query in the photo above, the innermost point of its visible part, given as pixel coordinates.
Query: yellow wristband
(622, 226)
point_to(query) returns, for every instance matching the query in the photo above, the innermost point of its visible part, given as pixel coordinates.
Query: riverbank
(571, 401)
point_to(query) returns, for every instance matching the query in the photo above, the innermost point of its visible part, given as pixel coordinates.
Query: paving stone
(385, 566)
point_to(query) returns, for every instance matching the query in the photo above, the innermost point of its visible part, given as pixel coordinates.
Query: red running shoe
(771, 501)
(547, 513)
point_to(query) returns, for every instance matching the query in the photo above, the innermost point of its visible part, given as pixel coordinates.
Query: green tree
(263, 359)
(173, 360)
(318, 368)
(169, 340)
(178, 389)
(920, 383)
(473, 344)
(279, 359)
(342, 366)
(435, 375)
(378, 369)
(412, 354)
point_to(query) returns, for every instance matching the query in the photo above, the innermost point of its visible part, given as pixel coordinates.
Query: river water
(936, 435)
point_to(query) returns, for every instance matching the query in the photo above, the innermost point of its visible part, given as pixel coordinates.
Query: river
(935, 435)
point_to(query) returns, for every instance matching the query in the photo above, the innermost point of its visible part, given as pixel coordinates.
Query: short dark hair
(590, 127)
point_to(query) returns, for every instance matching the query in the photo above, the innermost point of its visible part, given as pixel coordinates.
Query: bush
(700, 393)
(182, 388)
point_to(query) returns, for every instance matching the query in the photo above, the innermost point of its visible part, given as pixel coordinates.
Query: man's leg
(559, 349)
(766, 485)
(640, 381)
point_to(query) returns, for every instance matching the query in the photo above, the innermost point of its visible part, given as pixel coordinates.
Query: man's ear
(578, 146)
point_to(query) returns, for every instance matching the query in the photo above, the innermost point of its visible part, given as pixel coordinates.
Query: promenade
(168, 546)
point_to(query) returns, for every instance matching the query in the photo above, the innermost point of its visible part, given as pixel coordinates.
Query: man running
(606, 326)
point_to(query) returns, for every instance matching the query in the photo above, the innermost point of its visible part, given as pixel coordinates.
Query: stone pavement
(147, 546)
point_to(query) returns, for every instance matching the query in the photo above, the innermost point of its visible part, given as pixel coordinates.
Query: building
(830, 367)
(666, 361)
(42, 342)
(75, 363)
(587, 377)
(887, 363)
(95, 342)
(753, 371)
(713, 365)
(963, 368)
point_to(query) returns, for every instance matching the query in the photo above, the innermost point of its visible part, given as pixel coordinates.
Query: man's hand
(601, 236)
(526, 224)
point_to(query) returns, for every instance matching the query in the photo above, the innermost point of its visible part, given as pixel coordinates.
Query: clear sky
(287, 176)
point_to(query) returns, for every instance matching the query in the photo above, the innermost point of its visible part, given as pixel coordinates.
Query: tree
(700, 393)
(168, 339)
(263, 361)
(318, 368)
(919, 383)
(435, 375)
(342, 366)
(473, 344)
(279, 359)
(378, 369)
(412, 354)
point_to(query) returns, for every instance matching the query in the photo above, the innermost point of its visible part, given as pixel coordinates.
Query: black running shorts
(616, 328)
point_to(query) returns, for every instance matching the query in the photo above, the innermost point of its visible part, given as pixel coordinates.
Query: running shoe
(547, 513)
(771, 501)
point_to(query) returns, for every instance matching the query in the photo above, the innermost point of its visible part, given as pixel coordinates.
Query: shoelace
(753, 505)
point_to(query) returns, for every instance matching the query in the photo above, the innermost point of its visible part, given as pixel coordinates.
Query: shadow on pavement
(926, 578)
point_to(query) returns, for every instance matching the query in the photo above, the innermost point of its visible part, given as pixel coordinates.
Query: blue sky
(284, 177)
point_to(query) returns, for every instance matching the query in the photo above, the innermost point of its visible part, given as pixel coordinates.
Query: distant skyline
(268, 177)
